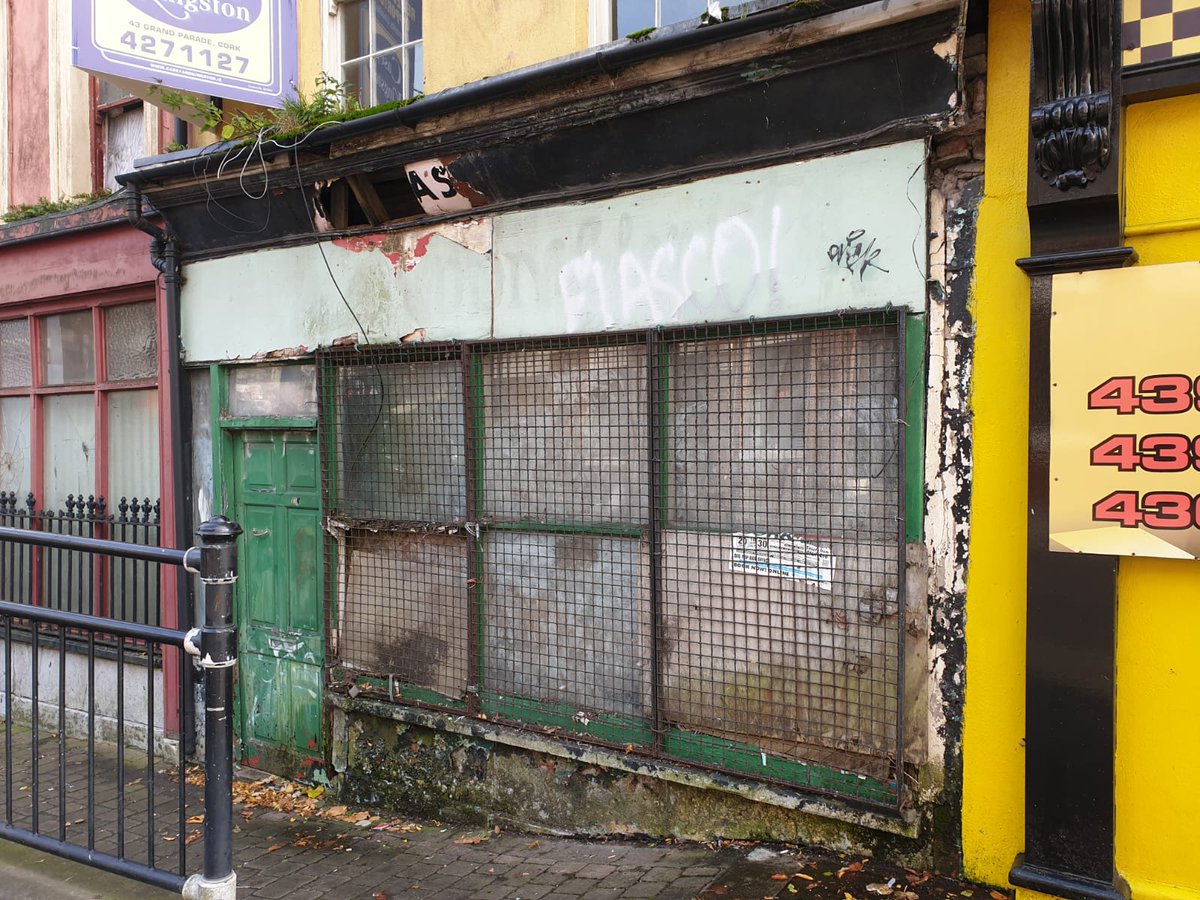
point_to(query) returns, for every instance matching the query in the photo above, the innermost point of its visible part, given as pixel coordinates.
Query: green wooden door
(277, 495)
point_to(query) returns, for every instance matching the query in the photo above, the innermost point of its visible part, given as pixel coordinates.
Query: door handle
(260, 532)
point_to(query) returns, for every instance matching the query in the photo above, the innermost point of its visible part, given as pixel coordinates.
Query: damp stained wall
(820, 236)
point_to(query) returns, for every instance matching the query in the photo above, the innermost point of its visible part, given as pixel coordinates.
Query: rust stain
(475, 197)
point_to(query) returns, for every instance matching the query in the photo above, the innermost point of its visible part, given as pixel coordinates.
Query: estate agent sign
(1125, 412)
(234, 49)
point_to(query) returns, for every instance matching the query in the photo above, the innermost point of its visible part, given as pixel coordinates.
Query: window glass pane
(400, 442)
(405, 608)
(565, 432)
(786, 434)
(15, 446)
(357, 78)
(355, 21)
(131, 342)
(110, 93)
(273, 391)
(15, 368)
(132, 445)
(124, 142)
(70, 450)
(389, 24)
(678, 10)
(634, 15)
(68, 348)
(389, 77)
(567, 621)
(416, 68)
(414, 32)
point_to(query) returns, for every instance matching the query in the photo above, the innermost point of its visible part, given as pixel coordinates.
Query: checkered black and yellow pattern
(1154, 30)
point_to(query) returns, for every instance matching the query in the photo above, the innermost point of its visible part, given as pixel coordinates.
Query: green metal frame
(709, 751)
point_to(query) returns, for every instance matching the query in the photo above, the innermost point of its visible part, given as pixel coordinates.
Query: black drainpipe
(165, 257)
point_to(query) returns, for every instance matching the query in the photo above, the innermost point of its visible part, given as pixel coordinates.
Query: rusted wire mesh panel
(395, 485)
(687, 541)
(404, 611)
(780, 549)
(399, 434)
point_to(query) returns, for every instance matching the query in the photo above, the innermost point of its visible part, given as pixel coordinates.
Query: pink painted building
(85, 347)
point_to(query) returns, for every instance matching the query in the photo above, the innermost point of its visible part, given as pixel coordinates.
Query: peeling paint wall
(29, 118)
(844, 232)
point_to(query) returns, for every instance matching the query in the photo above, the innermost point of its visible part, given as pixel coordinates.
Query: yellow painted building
(1157, 675)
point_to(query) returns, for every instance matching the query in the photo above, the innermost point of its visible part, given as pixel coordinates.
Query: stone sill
(903, 823)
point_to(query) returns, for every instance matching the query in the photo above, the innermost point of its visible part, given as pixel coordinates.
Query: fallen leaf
(965, 893)
(170, 837)
(534, 845)
(315, 792)
(996, 895)
(196, 820)
(792, 889)
(846, 895)
(275, 847)
(853, 867)
(779, 876)
(334, 811)
(193, 837)
(469, 839)
(804, 876)
(883, 890)
(379, 895)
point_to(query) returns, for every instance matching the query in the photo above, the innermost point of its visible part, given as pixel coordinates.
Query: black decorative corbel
(1072, 110)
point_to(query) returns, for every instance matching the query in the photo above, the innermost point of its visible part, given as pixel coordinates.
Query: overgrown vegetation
(44, 207)
(331, 101)
(642, 35)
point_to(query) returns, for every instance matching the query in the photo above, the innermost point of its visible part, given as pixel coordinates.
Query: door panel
(280, 614)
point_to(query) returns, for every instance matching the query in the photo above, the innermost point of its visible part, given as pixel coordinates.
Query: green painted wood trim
(281, 423)
(478, 592)
(217, 402)
(914, 419)
(597, 529)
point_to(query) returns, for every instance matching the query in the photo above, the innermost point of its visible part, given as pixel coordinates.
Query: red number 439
(1154, 394)
(1158, 509)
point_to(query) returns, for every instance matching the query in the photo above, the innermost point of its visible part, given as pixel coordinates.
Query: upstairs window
(120, 134)
(631, 16)
(381, 49)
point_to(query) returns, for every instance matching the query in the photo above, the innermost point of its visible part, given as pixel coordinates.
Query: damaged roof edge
(748, 18)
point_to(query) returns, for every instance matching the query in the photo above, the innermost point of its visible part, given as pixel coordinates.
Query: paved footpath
(291, 845)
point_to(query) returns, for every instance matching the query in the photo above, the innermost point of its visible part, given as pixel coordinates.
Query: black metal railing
(71, 581)
(88, 774)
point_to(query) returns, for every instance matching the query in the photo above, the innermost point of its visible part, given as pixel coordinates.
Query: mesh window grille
(689, 541)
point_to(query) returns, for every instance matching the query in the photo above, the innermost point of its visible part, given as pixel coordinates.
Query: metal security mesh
(687, 541)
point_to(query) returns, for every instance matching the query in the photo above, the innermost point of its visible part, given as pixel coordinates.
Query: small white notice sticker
(782, 556)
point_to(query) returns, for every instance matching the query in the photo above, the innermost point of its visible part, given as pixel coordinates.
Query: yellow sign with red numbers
(1125, 412)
